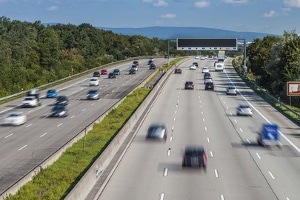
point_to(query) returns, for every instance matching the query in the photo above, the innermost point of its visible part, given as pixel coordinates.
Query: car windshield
(14, 115)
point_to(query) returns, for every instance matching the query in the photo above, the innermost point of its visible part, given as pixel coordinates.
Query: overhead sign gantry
(207, 44)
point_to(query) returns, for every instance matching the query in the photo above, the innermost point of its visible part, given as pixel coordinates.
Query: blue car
(51, 94)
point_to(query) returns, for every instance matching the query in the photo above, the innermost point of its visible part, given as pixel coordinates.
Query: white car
(231, 90)
(205, 69)
(193, 67)
(197, 57)
(94, 81)
(30, 101)
(208, 80)
(244, 110)
(15, 118)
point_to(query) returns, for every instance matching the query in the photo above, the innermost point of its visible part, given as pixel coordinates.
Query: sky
(263, 16)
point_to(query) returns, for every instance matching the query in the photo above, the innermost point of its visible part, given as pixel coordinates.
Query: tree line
(32, 54)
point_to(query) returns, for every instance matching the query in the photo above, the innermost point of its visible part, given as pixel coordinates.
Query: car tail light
(204, 158)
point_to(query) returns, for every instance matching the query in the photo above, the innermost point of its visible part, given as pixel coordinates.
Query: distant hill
(186, 32)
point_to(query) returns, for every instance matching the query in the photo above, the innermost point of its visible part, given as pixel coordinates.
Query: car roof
(188, 82)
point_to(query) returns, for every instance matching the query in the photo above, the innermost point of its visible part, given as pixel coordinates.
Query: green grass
(56, 181)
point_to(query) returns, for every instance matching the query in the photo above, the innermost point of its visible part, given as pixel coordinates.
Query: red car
(136, 63)
(104, 72)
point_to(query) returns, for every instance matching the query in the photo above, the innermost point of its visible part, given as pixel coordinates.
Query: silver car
(93, 94)
(231, 90)
(244, 109)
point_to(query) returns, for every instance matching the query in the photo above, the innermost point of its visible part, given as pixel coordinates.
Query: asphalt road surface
(237, 168)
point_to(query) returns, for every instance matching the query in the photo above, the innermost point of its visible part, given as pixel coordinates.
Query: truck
(32, 99)
(221, 56)
(269, 136)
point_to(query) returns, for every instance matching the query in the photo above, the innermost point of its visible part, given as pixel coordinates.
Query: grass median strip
(57, 180)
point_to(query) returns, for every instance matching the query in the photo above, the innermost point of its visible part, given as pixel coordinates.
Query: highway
(22, 148)
(237, 168)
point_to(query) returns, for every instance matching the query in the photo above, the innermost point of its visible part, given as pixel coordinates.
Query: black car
(59, 111)
(132, 71)
(189, 85)
(117, 72)
(178, 71)
(93, 94)
(111, 75)
(152, 66)
(157, 132)
(96, 74)
(61, 100)
(209, 86)
(195, 63)
(194, 156)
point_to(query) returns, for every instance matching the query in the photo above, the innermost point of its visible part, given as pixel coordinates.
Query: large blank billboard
(206, 44)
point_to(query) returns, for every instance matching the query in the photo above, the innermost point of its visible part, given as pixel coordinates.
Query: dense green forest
(274, 61)
(32, 54)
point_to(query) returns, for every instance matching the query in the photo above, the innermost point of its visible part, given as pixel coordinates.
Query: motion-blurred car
(132, 71)
(61, 100)
(104, 72)
(136, 63)
(93, 94)
(15, 119)
(152, 66)
(209, 86)
(244, 109)
(59, 111)
(117, 72)
(206, 75)
(193, 67)
(30, 101)
(205, 70)
(178, 71)
(94, 81)
(194, 156)
(189, 85)
(135, 67)
(51, 94)
(231, 90)
(151, 60)
(197, 57)
(208, 80)
(112, 75)
(157, 132)
(195, 63)
(96, 74)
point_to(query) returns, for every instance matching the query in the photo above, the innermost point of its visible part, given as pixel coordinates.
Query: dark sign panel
(206, 44)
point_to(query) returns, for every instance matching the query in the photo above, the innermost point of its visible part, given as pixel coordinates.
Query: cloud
(160, 3)
(52, 8)
(292, 3)
(270, 14)
(235, 1)
(168, 16)
(201, 4)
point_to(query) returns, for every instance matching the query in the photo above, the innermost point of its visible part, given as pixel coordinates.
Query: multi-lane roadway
(237, 168)
(22, 148)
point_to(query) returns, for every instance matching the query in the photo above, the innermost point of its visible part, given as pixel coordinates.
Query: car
(206, 75)
(205, 70)
(51, 93)
(152, 66)
(135, 67)
(104, 72)
(151, 60)
(244, 109)
(189, 85)
(209, 86)
(177, 71)
(197, 57)
(208, 80)
(193, 67)
(132, 71)
(136, 63)
(166, 56)
(15, 119)
(195, 63)
(117, 72)
(96, 74)
(231, 90)
(194, 156)
(61, 100)
(157, 131)
(94, 81)
(59, 111)
(202, 58)
(30, 101)
(112, 75)
(93, 94)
